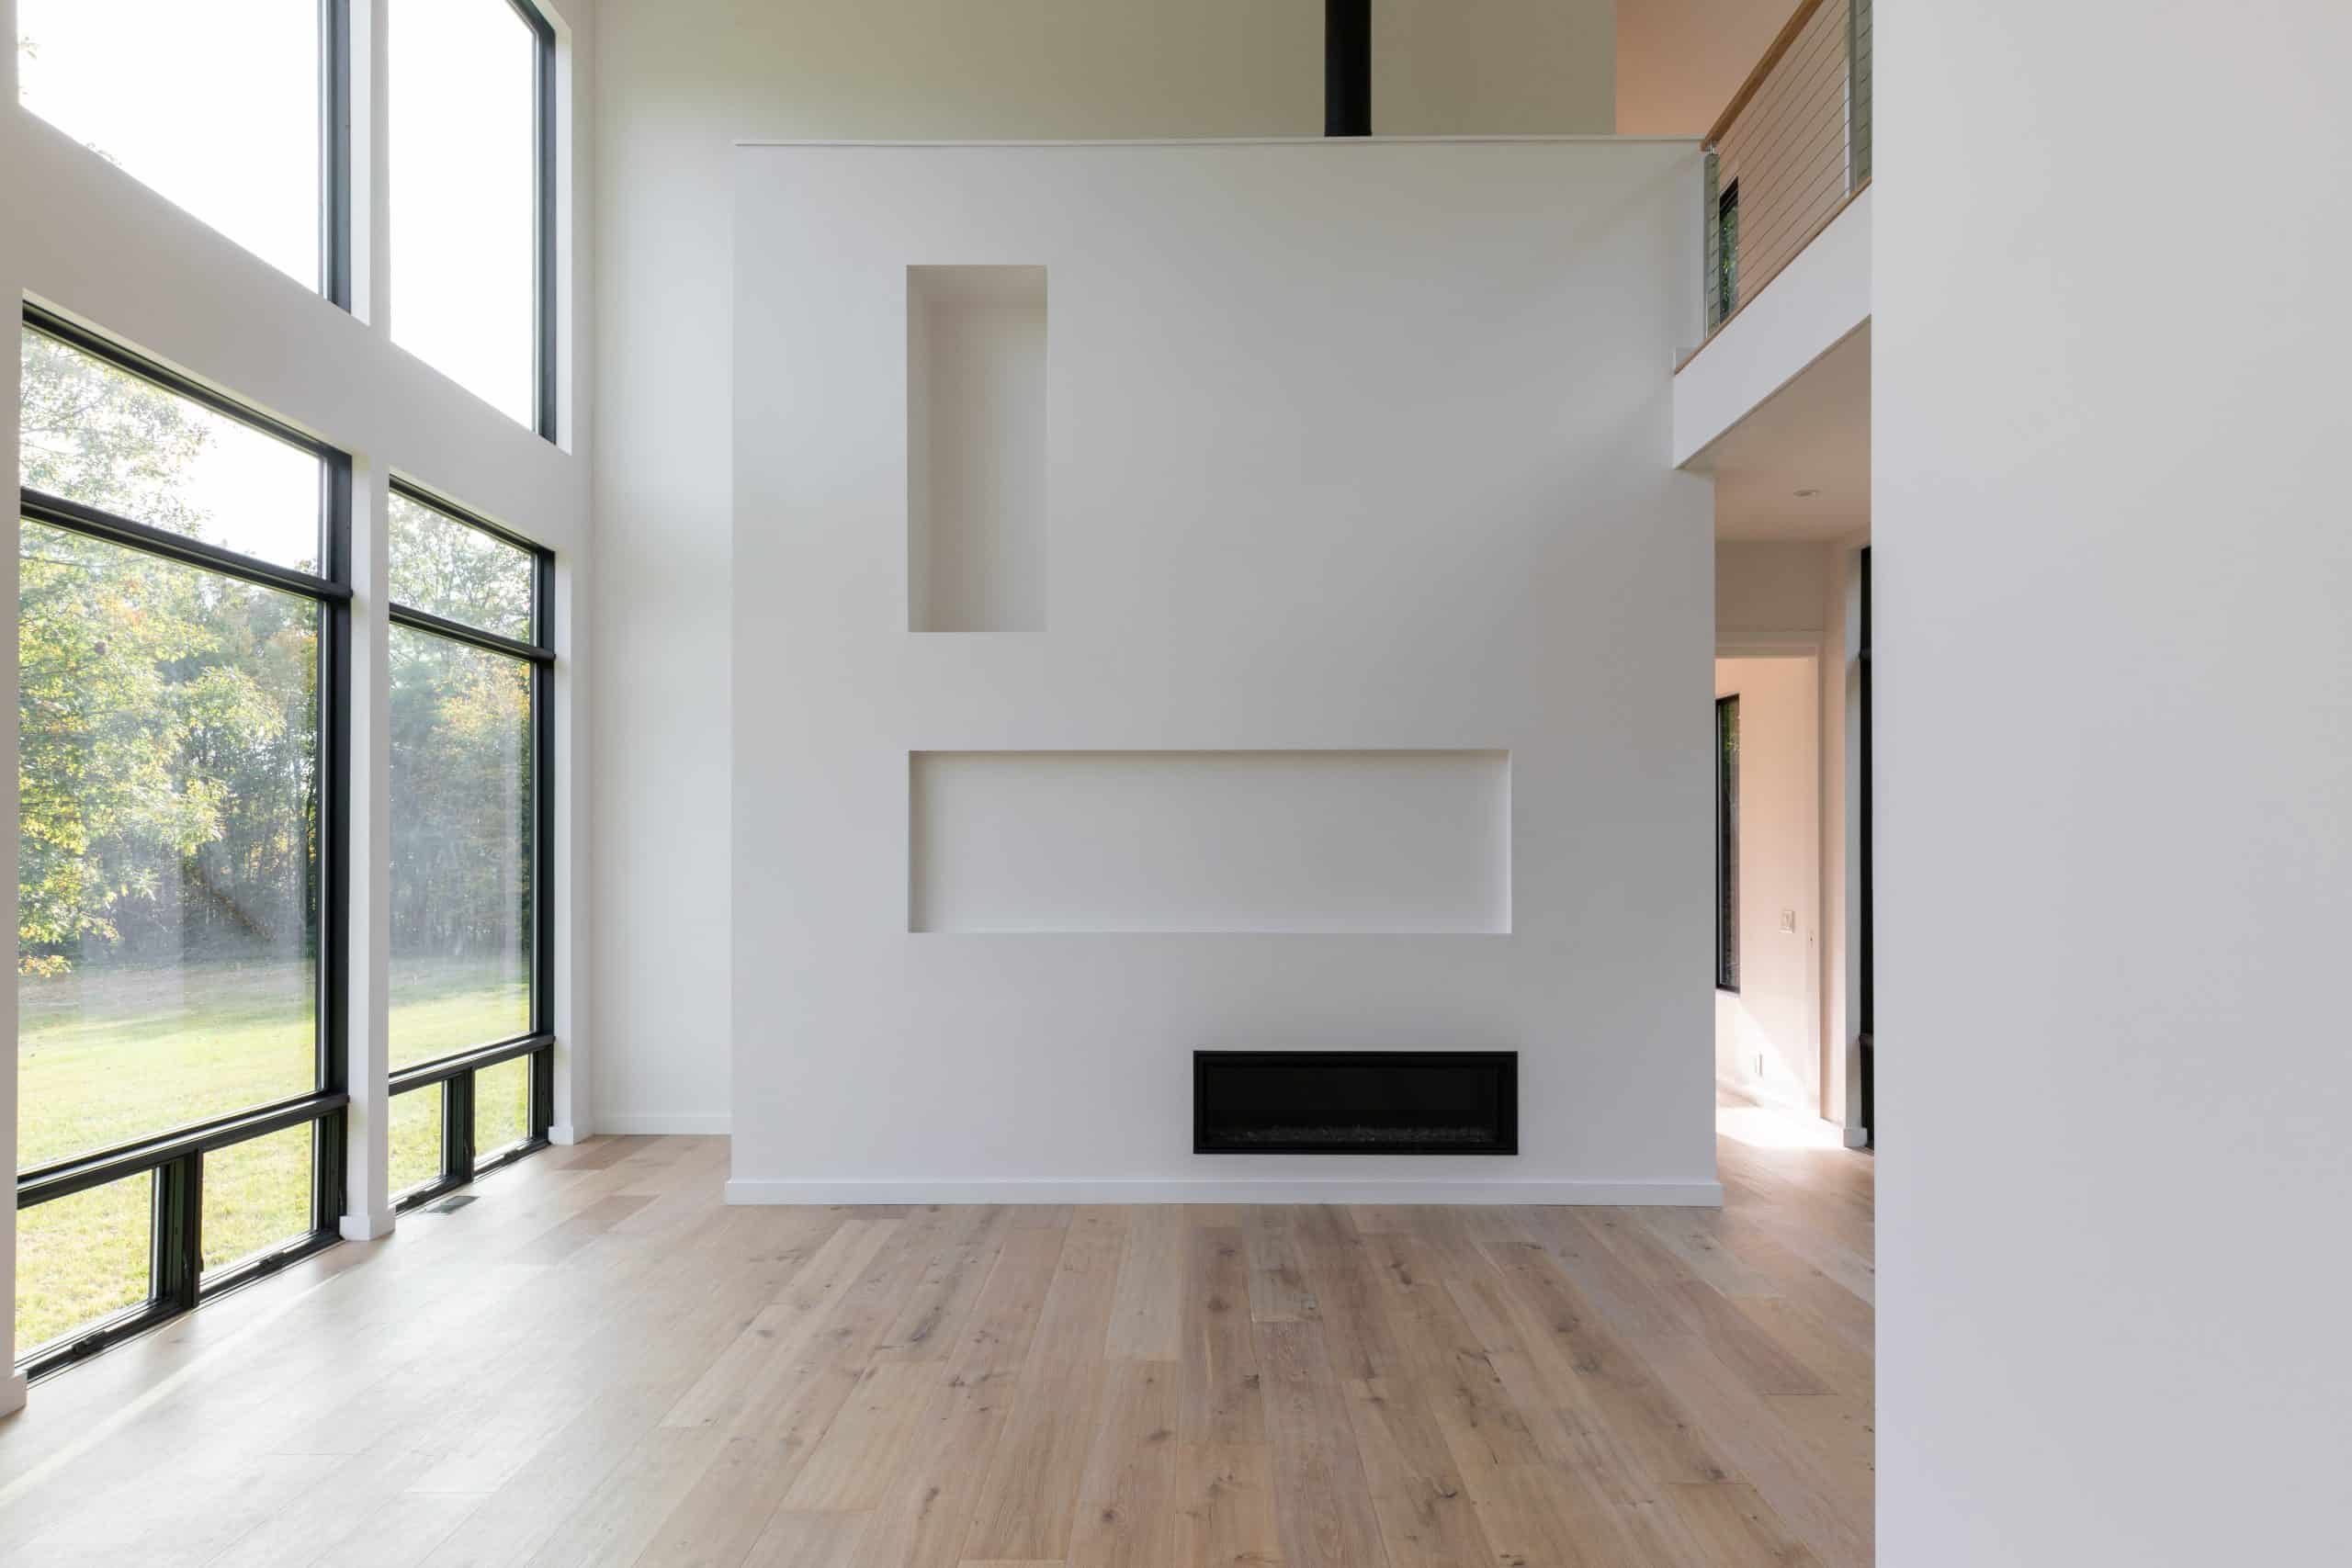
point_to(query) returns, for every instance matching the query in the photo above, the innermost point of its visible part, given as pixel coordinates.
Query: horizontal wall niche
(1403, 842)
(976, 448)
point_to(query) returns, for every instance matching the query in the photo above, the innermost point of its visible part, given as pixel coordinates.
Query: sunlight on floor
(1763, 1127)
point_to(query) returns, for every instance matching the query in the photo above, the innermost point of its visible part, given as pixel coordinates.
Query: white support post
(368, 1204)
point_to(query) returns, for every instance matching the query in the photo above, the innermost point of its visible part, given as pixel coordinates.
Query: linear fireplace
(1356, 1102)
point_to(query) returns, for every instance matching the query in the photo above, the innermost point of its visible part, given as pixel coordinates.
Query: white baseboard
(703, 1124)
(563, 1134)
(1684, 1194)
(1858, 1137)
(11, 1394)
(367, 1227)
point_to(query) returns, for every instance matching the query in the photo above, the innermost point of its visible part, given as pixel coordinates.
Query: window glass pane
(456, 572)
(416, 1138)
(257, 1196)
(464, 121)
(82, 1257)
(167, 918)
(502, 1106)
(462, 834)
(214, 105)
(109, 439)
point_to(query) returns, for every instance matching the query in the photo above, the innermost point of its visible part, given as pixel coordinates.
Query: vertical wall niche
(976, 448)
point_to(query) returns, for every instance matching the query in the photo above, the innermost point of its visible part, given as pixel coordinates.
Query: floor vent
(450, 1204)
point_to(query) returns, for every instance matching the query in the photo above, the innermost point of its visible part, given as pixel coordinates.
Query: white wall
(83, 237)
(679, 80)
(1271, 526)
(1768, 1034)
(1809, 307)
(2114, 685)
(1767, 597)
(1678, 61)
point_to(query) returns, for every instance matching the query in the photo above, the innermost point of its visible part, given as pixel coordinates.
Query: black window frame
(1725, 282)
(545, 400)
(455, 1071)
(1728, 844)
(173, 1157)
(543, 245)
(335, 151)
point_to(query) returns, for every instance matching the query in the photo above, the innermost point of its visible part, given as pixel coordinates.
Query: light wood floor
(598, 1363)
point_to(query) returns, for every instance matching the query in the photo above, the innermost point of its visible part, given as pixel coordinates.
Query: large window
(1728, 844)
(470, 734)
(472, 166)
(229, 109)
(182, 605)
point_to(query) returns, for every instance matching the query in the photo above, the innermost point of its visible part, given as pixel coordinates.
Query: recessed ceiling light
(1807, 494)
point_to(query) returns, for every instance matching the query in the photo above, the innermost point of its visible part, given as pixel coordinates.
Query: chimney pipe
(1347, 67)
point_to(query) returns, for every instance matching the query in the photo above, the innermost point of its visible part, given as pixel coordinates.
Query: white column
(368, 1204)
(572, 1118)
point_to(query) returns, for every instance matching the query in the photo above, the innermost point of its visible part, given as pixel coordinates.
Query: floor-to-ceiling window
(188, 633)
(183, 588)
(473, 1059)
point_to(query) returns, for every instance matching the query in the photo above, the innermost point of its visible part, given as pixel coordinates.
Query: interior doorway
(1769, 883)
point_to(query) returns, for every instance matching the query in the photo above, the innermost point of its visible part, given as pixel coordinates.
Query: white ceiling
(1814, 433)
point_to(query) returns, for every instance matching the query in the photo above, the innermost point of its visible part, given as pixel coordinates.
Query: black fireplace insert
(1356, 1102)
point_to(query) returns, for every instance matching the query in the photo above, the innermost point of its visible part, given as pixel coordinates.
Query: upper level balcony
(1787, 224)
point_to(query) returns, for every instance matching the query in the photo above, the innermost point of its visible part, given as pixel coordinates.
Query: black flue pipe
(1347, 67)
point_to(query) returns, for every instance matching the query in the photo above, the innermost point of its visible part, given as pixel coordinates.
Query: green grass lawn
(105, 1057)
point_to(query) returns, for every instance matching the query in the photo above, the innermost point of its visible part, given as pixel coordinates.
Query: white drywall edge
(1812, 306)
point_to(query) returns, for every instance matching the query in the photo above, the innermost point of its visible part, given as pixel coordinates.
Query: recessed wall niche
(976, 448)
(1307, 841)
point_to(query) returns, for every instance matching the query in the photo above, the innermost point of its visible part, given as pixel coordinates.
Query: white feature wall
(2113, 678)
(678, 82)
(1353, 450)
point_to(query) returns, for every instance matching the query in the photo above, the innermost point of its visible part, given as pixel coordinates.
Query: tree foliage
(170, 770)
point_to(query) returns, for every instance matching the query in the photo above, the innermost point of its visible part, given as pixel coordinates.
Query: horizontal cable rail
(1791, 147)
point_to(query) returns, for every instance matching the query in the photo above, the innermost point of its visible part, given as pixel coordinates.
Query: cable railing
(1789, 152)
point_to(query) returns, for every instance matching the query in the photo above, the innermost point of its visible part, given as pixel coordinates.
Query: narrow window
(1728, 844)
(472, 1061)
(229, 109)
(180, 616)
(1727, 253)
(472, 181)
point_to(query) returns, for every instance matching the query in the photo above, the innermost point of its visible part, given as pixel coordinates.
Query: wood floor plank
(1217, 1390)
(849, 1469)
(1280, 1290)
(1347, 1288)
(1728, 1526)
(1322, 1500)
(1224, 1507)
(1024, 1510)
(1426, 1519)
(1147, 1316)
(808, 1540)
(1447, 1364)
(923, 1522)
(1126, 1502)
